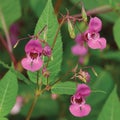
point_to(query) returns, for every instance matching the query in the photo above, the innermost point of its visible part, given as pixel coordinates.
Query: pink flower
(78, 106)
(17, 107)
(80, 111)
(80, 49)
(92, 35)
(83, 90)
(33, 60)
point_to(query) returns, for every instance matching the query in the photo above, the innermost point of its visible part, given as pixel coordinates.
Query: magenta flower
(78, 106)
(83, 90)
(79, 48)
(92, 35)
(80, 111)
(33, 60)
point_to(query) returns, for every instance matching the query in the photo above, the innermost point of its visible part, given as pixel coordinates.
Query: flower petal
(95, 24)
(97, 44)
(80, 111)
(33, 45)
(80, 39)
(79, 50)
(30, 65)
(102, 42)
(83, 90)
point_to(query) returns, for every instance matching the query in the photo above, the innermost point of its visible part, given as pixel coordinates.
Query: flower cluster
(90, 38)
(78, 106)
(34, 51)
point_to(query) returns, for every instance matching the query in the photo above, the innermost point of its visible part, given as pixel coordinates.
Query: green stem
(55, 38)
(9, 52)
(37, 94)
(98, 10)
(32, 107)
(6, 31)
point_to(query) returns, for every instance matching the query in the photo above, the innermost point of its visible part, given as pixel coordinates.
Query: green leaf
(111, 109)
(32, 77)
(116, 33)
(3, 118)
(18, 74)
(48, 18)
(8, 92)
(68, 88)
(11, 10)
(101, 88)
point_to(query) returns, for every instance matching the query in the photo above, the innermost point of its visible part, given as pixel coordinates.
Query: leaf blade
(8, 90)
(64, 88)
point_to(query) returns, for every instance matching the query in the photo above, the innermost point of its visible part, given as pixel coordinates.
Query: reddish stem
(9, 52)
(57, 6)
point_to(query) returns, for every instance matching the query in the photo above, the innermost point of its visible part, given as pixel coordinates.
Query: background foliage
(32, 16)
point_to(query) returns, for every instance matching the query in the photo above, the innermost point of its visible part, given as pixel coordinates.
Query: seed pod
(71, 29)
(84, 14)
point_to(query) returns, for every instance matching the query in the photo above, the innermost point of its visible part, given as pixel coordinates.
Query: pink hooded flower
(33, 60)
(78, 106)
(92, 35)
(79, 48)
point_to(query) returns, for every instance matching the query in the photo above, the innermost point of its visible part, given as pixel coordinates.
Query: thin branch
(6, 31)
(98, 10)
(9, 52)
(55, 38)
(32, 107)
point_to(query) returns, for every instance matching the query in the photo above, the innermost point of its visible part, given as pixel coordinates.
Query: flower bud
(84, 14)
(84, 76)
(47, 51)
